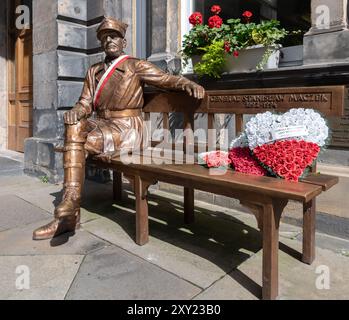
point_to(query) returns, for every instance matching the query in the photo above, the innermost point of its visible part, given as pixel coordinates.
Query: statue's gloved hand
(73, 116)
(194, 89)
(107, 157)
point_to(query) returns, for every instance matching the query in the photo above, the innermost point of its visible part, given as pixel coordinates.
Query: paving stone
(19, 242)
(49, 276)
(87, 216)
(324, 241)
(290, 234)
(230, 287)
(95, 198)
(173, 206)
(220, 253)
(20, 183)
(15, 212)
(113, 273)
(298, 280)
(10, 167)
(201, 253)
(45, 197)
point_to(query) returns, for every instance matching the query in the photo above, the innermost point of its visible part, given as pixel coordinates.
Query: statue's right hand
(71, 117)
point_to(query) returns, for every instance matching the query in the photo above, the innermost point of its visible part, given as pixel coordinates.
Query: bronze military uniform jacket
(123, 91)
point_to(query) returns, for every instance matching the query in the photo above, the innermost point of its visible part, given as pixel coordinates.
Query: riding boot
(67, 213)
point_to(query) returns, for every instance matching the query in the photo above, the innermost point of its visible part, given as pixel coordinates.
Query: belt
(110, 114)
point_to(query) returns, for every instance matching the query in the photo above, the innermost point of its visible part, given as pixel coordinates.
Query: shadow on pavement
(213, 235)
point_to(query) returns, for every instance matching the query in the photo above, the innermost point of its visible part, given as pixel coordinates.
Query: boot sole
(51, 237)
(69, 229)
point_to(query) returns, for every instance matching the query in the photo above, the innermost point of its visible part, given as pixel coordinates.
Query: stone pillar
(64, 46)
(327, 42)
(39, 155)
(164, 34)
(328, 39)
(3, 74)
(123, 10)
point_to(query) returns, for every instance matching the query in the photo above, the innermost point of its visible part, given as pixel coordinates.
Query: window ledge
(305, 75)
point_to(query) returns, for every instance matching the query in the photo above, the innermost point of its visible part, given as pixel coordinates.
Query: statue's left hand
(194, 89)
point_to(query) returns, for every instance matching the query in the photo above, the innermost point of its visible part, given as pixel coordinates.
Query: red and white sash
(106, 76)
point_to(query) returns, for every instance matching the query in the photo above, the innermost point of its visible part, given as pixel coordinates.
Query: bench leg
(117, 185)
(309, 210)
(271, 222)
(189, 205)
(142, 224)
(257, 211)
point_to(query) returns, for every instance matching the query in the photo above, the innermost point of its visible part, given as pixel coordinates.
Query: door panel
(12, 123)
(21, 93)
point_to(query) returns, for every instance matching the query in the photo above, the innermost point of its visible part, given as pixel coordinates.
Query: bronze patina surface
(114, 89)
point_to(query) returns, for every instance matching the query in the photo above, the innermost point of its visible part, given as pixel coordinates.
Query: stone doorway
(20, 79)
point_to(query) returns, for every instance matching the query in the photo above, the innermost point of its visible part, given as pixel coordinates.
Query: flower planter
(247, 60)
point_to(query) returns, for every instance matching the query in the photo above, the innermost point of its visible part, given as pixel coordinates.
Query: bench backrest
(168, 102)
(328, 100)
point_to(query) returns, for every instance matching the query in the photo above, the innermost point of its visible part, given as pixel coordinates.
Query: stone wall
(64, 46)
(163, 33)
(340, 130)
(40, 157)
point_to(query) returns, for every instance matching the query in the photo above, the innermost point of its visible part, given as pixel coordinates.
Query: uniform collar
(103, 66)
(108, 62)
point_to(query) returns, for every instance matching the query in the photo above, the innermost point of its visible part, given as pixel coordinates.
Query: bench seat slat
(194, 174)
(323, 180)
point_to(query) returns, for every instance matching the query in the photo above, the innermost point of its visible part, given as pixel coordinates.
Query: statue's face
(113, 44)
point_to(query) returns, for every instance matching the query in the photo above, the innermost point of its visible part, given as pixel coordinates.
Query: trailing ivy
(212, 61)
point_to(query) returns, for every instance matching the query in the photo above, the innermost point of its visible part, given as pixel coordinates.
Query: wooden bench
(266, 197)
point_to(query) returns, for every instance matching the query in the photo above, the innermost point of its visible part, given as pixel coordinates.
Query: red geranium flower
(247, 14)
(195, 18)
(227, 46)
(236, 53)
(216, 9)
(215, 22)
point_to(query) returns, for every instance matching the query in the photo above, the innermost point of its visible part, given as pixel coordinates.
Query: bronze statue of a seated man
(114, 89)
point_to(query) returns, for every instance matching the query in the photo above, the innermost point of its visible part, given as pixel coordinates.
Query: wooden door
(20, 90)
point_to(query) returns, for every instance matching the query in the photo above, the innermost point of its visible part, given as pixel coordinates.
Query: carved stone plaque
(328, 100)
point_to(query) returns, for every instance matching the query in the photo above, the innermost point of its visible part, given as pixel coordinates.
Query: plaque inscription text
(328, 100)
